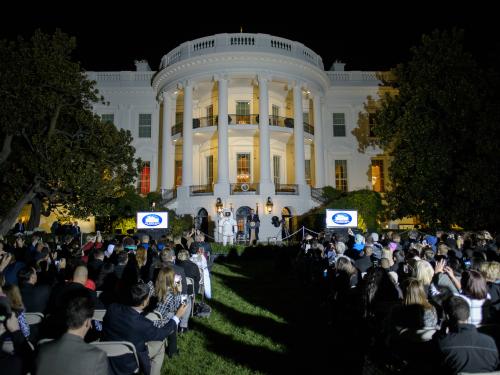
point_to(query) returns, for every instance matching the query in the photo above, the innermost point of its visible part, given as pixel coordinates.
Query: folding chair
(33, 318)
(118, 348)
(190, 281)
(99, 315)
(154, 315)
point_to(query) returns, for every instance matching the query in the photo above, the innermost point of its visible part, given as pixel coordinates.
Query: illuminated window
(276, 169)
(378, 176)
(179, 118)
(243, 173)
(210, 169)
(178, 173)
(339, 124)
(145, 125)
(108, 118)
(308, 171)
(275, 115)
(210, 114)
(341, 175)
(242, 112)
(145, 178)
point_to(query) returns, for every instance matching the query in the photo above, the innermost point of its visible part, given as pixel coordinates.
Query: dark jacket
(123, 323)
(191, 270)
(35, 297)
(467, 350)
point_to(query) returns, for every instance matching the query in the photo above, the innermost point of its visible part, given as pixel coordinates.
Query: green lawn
(251, 328)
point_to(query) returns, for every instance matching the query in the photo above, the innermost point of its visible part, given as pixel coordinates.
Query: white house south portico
(244, 118)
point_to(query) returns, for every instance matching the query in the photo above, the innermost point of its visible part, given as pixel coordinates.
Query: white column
(298, 131)
(264, 136)
(167, 151)
(223, 142)
(318, 143)
(187, 136)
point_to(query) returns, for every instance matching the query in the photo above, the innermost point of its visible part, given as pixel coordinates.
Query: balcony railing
(195, 190)
(168, 195)
(234, 119)
(286, 189)
(202, 122)
(244, 188)
(284, 122)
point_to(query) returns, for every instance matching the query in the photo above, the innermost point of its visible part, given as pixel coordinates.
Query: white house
(245, 120)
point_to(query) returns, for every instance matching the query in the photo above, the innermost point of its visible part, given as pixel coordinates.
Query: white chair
(33, 318)
(99, 315)
(118, 348)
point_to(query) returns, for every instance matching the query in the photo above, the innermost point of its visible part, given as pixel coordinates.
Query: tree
(368, 203)
(64, 154)
(441, 130)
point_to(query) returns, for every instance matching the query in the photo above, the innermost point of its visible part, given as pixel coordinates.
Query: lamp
(269, 205)
(218, 205)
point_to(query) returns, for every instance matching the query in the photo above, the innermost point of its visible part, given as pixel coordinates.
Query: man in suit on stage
(253, 224)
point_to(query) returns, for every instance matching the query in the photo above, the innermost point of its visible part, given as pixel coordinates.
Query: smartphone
(184, 300)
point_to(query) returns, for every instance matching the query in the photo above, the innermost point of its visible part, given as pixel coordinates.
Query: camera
(467, 263)
(184, 300)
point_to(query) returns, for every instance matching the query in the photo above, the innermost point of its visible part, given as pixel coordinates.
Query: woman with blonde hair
(16, 304)
(416, 299)
(167, 293)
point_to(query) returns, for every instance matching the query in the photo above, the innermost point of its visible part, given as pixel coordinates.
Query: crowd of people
(418, 303)
(144, 286)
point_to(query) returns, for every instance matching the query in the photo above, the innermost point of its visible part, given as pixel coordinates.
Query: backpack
(202, 310)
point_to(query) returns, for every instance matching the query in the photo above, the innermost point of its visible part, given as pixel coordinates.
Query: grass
(254, 325)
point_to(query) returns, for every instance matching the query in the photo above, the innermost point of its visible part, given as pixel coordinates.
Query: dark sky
(365, 38)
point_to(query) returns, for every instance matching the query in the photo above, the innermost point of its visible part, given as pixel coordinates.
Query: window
(210, 115)
(275, 115)
(145, 178)
(276, 169)
(378, 176)
(242, 112)
(341, 175)
(308, 171)
(145, 125)
(371, 124)
(179, 118)
(108, 118)
(210, 169)
(243, 168)
(339, 124)
(305, 116)
(178, 173)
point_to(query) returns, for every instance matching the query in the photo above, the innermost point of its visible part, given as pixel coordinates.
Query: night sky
(365, 38)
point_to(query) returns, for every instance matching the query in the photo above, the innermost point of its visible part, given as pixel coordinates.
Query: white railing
(120, 76)
(357, 76)
(241, 42)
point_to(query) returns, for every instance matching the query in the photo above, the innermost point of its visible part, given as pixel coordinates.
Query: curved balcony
(241, 43)
(234, 119)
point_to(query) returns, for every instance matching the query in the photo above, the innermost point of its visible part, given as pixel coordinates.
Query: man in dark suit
(35, 297)
(126, 323)
(19, 227)
(253, 223)
(70, 354)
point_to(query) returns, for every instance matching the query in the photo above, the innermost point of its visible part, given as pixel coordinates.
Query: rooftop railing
(241, 42)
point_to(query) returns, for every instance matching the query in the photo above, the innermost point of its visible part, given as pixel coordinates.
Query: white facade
(236, 113)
